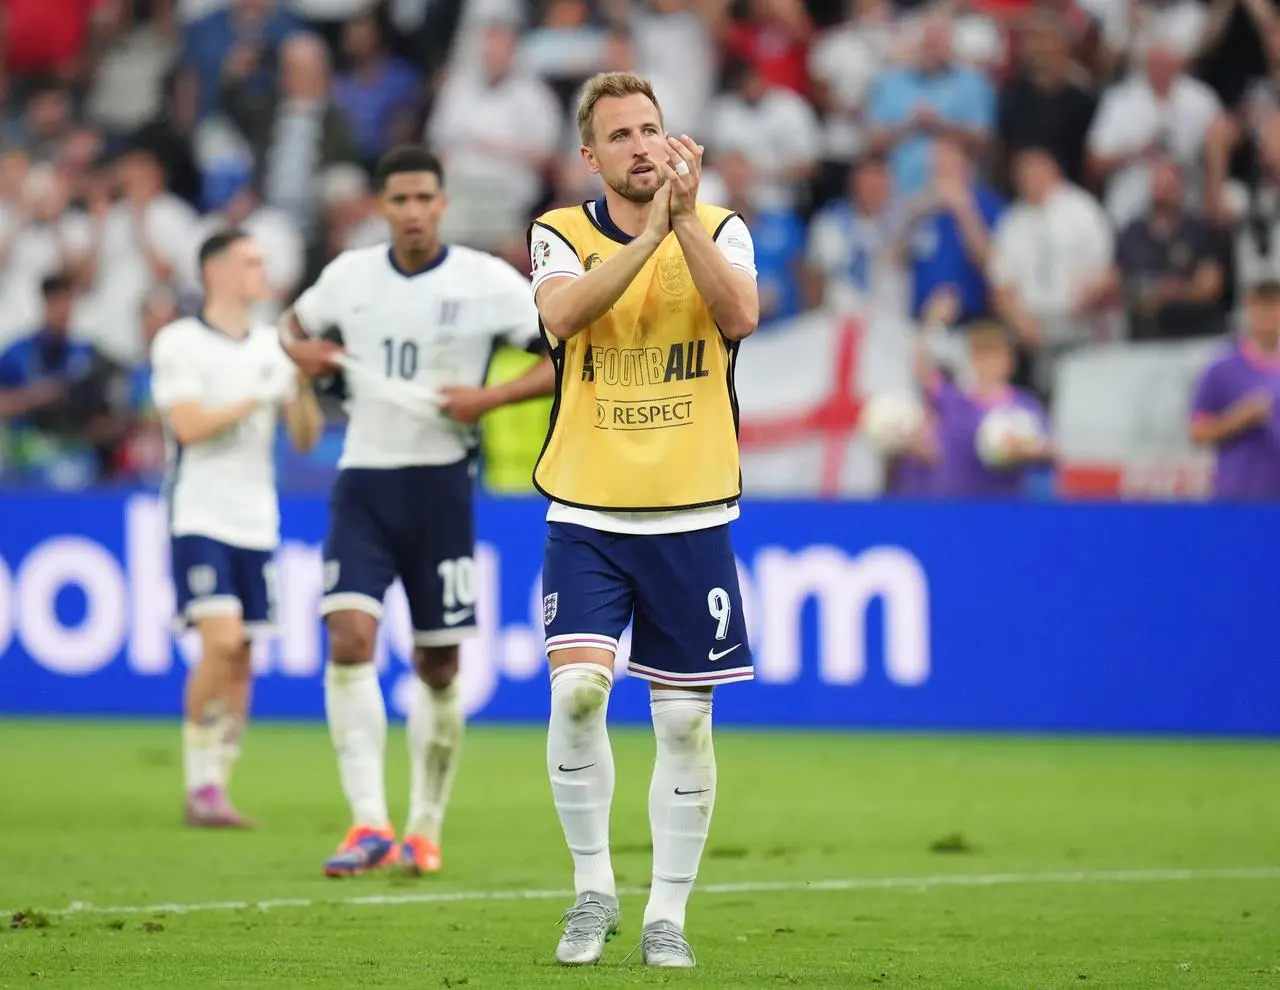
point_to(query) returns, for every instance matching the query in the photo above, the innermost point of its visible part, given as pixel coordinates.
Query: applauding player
(645, 295)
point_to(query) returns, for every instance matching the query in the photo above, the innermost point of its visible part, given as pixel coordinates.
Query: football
(891, 419)
(1000, 428)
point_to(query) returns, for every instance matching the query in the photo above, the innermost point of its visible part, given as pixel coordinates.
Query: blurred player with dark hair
(419, 317)
(218, 382)
(645, 295)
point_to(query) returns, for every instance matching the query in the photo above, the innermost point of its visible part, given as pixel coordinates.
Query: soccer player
(644, 295)
(420, 315)
(1236, 406)
(218, 381)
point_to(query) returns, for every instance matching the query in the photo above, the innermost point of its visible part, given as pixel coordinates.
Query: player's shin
(358, 727)
(435, 729)
(231, 723)
(205, 704)
(681, 798)
(580, 763)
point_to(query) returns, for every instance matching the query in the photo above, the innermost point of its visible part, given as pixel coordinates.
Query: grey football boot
(588, 925)
(663, 945)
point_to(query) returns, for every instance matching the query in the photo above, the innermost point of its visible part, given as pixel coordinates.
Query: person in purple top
(957, 412)
(1236, 406)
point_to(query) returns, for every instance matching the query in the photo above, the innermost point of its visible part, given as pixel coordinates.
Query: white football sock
(230, 730)
(358, 726)
(200, 756)
(580, 764)
(435, 740)
(681, 797)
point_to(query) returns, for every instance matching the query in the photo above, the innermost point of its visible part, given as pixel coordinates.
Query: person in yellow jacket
(644, 295)
(512, 435)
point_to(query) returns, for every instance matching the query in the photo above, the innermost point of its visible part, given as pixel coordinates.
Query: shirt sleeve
(1003, 268)
(319, 307)
(515, 317)
(551, 256)
(174, 374)
(734, 242)
(11, 371)
(1209, 398)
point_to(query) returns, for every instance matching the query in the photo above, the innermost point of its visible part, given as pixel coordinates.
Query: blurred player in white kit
(219, 381)
(419, 319)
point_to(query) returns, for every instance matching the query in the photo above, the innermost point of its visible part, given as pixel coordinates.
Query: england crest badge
(549, 604)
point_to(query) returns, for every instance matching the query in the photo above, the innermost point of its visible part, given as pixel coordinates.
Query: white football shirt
(224, 487)
(554, 258)
(431, 328)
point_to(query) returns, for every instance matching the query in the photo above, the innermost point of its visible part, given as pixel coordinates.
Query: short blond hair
(609, 84)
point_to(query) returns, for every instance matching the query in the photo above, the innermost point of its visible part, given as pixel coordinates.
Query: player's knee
(351, 638)
(682, 718)
(436, 666)
(221, 640)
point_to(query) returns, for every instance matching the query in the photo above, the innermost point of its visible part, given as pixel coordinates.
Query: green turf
(89, 812)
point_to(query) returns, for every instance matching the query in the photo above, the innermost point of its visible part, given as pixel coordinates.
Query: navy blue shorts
(211, 578)
(679, 591)
(413, 523)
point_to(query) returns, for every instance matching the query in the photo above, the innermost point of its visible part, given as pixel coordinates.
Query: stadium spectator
(946, 234)
(497, 128)
(675, 47)
(977, 37)
(843, 64)
(245, 32)
(778, 234)
(1048, 103)
(1258, 235)
(141, 455)
(849, 254)
(294, 133)
(565, 48)
(41, 235)
(48, 38)
(352, 219)
(55, 396)
(377, 94)
(1169, 264)
(913, 105)
(1050, 264)
(776, 131)
(144, 238)
(1160, 110)
(141, 41)
(171, 135)
(1236, 406)
(47, 119)
(773, 38)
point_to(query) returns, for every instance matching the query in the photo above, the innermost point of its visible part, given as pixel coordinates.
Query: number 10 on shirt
(402, 357)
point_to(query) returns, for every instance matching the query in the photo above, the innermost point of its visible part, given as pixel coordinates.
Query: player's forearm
(303, 418)
(731, 295)
(192, 423)
(1208, 430)
(537, 381)
(569, 306)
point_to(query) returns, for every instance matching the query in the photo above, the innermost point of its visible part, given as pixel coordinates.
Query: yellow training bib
(645, 415)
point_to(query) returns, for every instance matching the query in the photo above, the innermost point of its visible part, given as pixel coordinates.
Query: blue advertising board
(1030, 616)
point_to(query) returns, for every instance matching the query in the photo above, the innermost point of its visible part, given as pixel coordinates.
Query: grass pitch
(834, 861)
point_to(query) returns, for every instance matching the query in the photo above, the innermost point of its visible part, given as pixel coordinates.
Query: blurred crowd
(1082, 170)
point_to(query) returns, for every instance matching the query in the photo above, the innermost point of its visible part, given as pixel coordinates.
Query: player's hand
(683, 170)
(658, 225)
(314, 358)
(465, 404)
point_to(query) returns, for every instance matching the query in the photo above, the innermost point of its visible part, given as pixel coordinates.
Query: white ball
(1002, 425)
(891, 419)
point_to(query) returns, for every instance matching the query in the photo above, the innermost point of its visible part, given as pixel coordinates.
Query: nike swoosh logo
(683, 793)
(565, 769)
(713, 656)
(453, 618)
